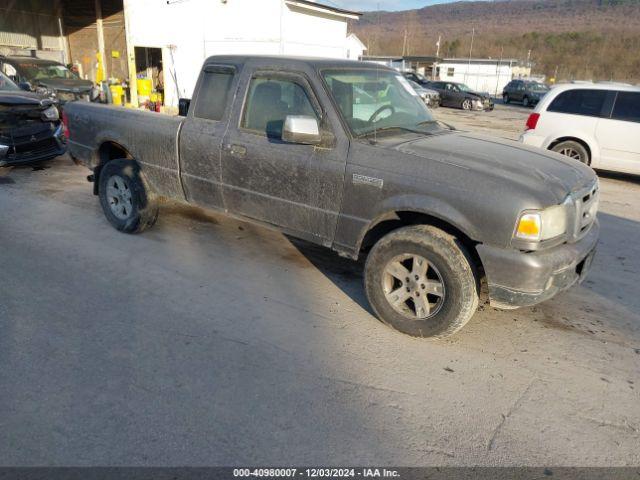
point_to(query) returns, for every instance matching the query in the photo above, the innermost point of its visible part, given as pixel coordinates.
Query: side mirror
(183, 106)
(301, 129)
(25, 86)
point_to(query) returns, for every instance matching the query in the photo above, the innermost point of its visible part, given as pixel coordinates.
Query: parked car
(526, 91)
(596, 124)
(30, 127)
(416, 77)
(430, 97)
(458, 95)
(46, 78)
(295, 144)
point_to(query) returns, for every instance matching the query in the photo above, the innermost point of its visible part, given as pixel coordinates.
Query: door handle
(237, 150)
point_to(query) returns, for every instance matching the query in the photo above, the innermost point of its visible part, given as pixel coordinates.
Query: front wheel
(126, 201)
(526, 102)
(421, 281)
(466, 104)
(505, 98)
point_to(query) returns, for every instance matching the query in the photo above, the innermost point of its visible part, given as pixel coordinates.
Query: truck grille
(586, 202)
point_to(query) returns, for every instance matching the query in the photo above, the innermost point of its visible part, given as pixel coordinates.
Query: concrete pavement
(207, 341)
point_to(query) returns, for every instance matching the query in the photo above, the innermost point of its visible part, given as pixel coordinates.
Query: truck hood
(504, 161)
(66, 84)
(22, 98)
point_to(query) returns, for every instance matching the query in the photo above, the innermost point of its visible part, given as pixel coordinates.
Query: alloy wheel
(413, 286)
(119, 197)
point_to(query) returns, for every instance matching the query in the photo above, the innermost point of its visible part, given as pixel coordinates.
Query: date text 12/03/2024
(316, 473)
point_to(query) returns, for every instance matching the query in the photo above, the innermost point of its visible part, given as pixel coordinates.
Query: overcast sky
(365, 5)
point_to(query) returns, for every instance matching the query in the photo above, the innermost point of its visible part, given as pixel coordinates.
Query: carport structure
(90, 34)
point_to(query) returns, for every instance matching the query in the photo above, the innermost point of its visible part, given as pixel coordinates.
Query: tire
(448, 263)
(573, 149)
(505, 98)
(466, 104)
(126, 200)
(525, 102)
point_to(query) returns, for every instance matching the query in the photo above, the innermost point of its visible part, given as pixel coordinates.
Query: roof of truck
(292, 61)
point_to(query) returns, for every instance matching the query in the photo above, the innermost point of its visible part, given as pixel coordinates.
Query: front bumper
(38, 151)
(521, 279)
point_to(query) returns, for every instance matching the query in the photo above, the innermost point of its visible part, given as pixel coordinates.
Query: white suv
(598, 124)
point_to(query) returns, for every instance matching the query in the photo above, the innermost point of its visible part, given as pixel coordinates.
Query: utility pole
(438, 46)
(473, 34)
(498, 69)
(404, 43)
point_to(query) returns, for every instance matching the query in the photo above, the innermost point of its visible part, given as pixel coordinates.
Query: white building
(355, 47)
(481, 74)
(185, 32)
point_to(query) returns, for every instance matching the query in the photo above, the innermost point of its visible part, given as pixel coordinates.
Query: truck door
(202, 133)
(296, 187)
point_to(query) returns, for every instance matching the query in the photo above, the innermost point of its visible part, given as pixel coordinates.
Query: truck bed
(150, 138)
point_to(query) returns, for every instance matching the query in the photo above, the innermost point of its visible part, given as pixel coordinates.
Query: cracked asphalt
(207, 341)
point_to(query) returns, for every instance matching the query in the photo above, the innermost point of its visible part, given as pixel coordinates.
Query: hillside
(584, 39)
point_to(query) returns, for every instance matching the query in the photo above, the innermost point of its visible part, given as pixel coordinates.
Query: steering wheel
(380, 110)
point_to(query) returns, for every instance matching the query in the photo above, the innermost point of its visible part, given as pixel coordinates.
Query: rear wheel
(526, 102)
(572, 149)
(421, 281)
(126, 201)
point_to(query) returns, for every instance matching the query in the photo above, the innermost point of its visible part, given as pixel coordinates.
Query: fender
(424, 205)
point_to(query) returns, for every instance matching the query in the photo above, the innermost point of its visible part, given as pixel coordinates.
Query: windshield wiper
(393, 127)
(437, 122)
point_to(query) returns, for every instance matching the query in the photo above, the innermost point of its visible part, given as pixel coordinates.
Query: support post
(131, 56)
(102, 70)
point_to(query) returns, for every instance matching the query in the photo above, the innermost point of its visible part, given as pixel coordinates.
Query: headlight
(51, 113)
(543, 224)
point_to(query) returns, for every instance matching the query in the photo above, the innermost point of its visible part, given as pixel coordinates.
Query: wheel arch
(399, 218)
(586, 144)
(107, 151)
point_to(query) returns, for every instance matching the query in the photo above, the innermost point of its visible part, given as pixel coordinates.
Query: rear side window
(627, 107)
(214, 93)
(579, 102)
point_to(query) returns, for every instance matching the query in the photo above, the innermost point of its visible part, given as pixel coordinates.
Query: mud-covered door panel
(202, 134)
(294, 186)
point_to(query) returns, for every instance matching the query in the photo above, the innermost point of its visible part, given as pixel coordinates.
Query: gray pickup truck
(346, 155)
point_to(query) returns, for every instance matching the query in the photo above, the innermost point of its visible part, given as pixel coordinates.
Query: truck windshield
(6, 84)
(372, 100)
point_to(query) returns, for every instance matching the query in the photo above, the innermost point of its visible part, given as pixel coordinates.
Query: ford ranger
(346, 155)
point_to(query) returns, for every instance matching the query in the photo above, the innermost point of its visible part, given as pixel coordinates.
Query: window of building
(270, 101)
(579, 102)
(627, 107)
(214, 93)
(450, 71)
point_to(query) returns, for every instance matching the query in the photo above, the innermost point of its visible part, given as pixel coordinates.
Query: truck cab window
(214, 94)
(270, 101)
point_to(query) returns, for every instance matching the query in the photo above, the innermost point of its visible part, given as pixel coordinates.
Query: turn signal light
(529, 227)
(532, 121)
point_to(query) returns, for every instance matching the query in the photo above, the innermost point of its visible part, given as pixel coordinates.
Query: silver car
(430, 97)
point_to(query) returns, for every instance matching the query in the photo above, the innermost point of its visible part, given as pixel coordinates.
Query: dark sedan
(458, 95)
(30, 127)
